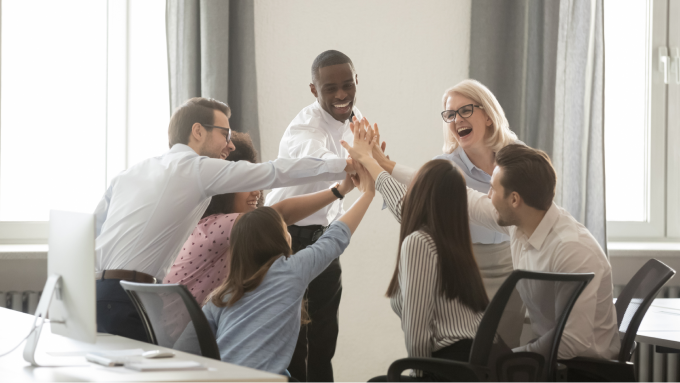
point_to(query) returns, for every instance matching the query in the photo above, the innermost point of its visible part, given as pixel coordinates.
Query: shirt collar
(543, 229)
(466, 160)
(329, 120)
(177, 148)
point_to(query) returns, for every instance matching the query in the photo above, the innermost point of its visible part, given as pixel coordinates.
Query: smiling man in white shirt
(316, 132)
(546, 238)
(150, 209)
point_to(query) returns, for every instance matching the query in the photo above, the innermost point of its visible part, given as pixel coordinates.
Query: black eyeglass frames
(219, 127)
(464, 111)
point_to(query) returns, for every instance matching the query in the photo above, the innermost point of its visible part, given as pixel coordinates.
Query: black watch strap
(337, 193)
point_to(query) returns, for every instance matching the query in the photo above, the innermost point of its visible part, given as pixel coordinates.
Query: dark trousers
(311, 361)
(459, 351)
(115, 312)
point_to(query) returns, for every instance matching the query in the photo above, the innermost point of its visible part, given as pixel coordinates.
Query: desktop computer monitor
(69, 293)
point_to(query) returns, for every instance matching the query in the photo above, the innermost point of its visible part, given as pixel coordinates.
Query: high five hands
(364, 140)
(365, 147)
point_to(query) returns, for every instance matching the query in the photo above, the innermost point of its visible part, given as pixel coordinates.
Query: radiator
(651, 366)
(24, 301)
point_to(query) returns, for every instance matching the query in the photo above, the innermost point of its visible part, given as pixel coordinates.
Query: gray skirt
(495, 264)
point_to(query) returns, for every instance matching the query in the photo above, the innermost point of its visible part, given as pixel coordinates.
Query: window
(83, 95)
(641, 105)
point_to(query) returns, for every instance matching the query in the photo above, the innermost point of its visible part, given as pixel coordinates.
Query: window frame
(662, 191)
(117, 96)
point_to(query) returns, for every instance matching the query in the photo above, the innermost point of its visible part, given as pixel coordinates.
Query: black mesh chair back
(172, 318)
(548, 297)
(634, 301)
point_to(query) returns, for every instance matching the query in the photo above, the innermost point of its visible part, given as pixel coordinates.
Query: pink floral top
(203, 263)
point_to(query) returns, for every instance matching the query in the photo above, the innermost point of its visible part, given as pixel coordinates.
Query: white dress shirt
(314, 133)
(150, 209)
(560, 244)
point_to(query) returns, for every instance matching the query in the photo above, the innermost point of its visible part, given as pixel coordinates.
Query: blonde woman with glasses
(475, 128)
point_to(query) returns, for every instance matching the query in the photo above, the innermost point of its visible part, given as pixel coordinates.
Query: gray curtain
(544, 61)
(211, 53)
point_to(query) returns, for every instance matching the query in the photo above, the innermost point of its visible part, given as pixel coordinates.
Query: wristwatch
(335, 191)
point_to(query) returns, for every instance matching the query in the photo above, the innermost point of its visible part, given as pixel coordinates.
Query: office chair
(172, 318)
(491, 356)
(631, 307)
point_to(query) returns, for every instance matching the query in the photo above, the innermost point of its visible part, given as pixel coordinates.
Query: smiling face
(245, 202)
(215, 144)
(470, 132)
(335, 88)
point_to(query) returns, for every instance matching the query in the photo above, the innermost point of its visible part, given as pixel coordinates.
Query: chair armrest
(450, 370)
(591, 369)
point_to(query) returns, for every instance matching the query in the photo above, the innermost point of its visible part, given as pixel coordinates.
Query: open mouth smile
(342, 108)
(464, 131)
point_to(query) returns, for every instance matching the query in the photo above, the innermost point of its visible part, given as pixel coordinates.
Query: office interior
(88, 95)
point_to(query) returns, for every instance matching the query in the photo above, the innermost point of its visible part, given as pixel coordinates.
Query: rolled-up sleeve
(403, 174)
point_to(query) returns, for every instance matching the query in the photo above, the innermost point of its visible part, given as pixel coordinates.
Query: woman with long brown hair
(436, 288)
(255, 313)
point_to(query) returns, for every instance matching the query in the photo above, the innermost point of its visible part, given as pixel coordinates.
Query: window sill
(644, 249)
(23, 252)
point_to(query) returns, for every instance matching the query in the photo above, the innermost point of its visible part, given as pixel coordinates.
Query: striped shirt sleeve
(418, 283)
(392, 191)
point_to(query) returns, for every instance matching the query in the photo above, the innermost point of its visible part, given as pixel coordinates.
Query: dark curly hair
(245, 151)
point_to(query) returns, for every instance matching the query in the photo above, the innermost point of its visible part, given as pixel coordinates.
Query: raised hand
(347, 184)
(364, 140)
(363, 180)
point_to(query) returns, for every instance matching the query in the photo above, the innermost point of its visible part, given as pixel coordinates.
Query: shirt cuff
(335, 165)
(403, 174)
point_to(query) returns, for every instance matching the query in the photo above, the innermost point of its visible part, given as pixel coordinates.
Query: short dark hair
(245, 151)
(329, 58)
(528, 172)
(197, 109)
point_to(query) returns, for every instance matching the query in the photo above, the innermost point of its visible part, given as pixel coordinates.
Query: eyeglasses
(219, 127)
(464, 111)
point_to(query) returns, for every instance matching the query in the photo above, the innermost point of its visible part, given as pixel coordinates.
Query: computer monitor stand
(52, 289)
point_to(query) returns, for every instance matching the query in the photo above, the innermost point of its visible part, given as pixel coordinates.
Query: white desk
(661, 325)
(55, 349)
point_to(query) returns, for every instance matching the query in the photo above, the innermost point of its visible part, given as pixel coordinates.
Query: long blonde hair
(501, 135)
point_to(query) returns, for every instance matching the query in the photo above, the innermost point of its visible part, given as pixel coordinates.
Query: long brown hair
(257, 241)
(436, 203)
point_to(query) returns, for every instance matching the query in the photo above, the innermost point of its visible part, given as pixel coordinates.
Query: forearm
(297, 208)
(356, 213)
(386, 164)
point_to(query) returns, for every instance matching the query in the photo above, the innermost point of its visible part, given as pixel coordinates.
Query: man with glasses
(150, 209)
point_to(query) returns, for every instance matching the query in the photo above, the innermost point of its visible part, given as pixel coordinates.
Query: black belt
(312, 232)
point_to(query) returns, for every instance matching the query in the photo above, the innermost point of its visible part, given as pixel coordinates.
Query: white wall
(406, 54)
